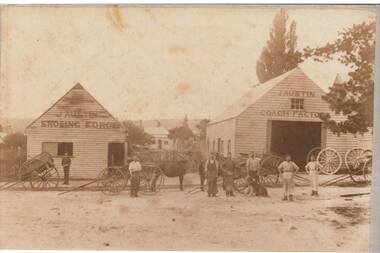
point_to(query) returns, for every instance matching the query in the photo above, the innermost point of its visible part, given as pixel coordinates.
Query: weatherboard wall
(79, 119)
(251, 129)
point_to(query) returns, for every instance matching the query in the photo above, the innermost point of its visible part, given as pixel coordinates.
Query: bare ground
(173, 220)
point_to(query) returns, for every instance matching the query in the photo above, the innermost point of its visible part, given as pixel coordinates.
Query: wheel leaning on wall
(330, 161)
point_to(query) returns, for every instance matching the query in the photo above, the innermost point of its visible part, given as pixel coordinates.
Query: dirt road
(174, 220)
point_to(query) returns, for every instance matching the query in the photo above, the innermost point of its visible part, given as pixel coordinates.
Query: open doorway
(116, 154)
(296, 138)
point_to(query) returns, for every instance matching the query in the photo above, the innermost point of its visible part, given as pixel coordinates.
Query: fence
(10, 159)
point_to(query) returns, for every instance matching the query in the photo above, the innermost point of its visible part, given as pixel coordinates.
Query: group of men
(211, 169)
(287, 169)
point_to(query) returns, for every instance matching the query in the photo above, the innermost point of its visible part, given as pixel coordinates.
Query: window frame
(297, 104)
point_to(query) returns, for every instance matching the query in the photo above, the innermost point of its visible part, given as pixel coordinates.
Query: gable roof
(77, 87)
(252, 96)
(156, 131)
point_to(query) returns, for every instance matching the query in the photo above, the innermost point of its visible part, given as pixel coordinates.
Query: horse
(175, 169)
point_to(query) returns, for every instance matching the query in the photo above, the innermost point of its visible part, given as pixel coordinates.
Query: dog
(254, 187)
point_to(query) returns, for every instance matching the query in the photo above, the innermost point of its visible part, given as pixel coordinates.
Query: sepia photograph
(187, 127)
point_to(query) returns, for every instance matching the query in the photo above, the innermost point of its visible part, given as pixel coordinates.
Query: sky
(150, 62)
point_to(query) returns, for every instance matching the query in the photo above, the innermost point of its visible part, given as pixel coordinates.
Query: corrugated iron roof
(251, 97)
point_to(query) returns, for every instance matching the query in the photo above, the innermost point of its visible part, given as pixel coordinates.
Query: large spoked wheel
(112, 181)
(43, 179)
(269, 169)
(240, 178)
(151, 180)
(330, 161)
(360, 169)
(313, 152)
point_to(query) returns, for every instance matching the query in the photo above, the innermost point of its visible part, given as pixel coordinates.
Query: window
(58, 148)
(229, 146)
(222, 147)
(213, 146)
(296, 103)
(166, 143)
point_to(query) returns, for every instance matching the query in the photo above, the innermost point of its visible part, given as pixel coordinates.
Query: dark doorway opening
(295, 138)
(116, 154)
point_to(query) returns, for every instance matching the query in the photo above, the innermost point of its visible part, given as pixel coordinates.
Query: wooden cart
(37, 172)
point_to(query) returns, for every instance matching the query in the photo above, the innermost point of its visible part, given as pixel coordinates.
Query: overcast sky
(147, 63)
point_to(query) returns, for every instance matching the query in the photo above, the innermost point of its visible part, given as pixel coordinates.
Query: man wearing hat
(135, 169)
(212, 168)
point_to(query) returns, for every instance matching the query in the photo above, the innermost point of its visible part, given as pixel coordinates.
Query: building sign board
(290, 114)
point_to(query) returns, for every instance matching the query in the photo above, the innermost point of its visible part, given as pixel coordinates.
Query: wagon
(356, 161)
(268, 172)
(37, 172)
(115, 179)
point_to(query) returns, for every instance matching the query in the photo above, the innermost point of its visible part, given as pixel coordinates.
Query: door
(116, 154)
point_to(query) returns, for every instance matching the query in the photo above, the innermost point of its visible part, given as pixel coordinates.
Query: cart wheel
(353, 157)
(269, 169)
(240, 182)
(240, 185)
(314, 151)
(44, 179)
(112, 181)
(361, 170)
(330, 161)
(151, 180)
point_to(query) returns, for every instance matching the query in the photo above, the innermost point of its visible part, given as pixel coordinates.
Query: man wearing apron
(211, 168)
(287, 171)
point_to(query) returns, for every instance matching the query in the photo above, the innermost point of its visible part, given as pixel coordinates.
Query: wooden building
(81, 127)
(279, 116)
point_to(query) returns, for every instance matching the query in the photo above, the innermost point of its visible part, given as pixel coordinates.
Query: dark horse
(175, 169)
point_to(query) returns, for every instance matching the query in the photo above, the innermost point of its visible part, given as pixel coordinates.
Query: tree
(181, 136)
(202, 126)
(136, 134)
(15, 140)
(280, 54)
(354, 47)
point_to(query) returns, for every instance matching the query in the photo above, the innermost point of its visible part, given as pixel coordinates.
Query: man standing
(212, 167)
(228, 175)
(66, 162)
(313, 167)
(287, 170)
(135, 169)
(253, 166)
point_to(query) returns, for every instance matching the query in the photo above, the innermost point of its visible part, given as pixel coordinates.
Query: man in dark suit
(66, 162)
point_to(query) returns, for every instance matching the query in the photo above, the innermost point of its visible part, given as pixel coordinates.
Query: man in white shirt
(253, 167)
(313, 167)
(287, 171)
(135, 169)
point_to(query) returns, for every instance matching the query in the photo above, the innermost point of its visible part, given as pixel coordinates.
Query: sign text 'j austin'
(73, 122)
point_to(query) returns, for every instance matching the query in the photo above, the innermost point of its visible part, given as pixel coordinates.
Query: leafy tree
(15, 140)
(354, 47)
(136, 134)
(181, 136)
(280, 54)
(202, 125)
